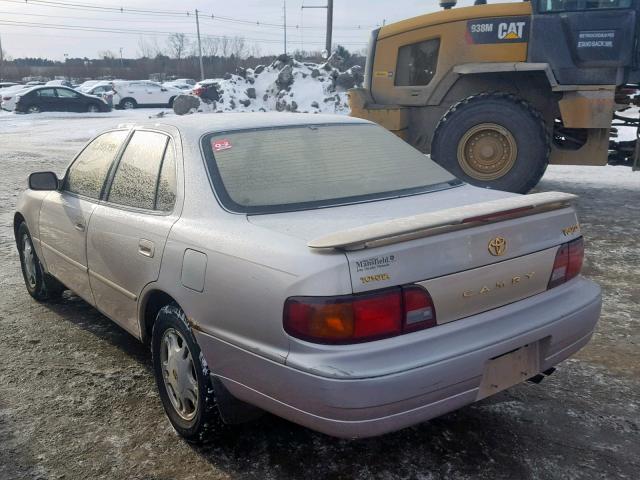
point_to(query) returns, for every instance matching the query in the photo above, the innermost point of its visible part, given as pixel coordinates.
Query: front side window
(136, 179)
(300, 167)
(87, 174)
(417, 63)
(580, 5)
(63, 93)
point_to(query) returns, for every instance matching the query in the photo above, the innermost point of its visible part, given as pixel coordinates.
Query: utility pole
(329, 7)
(285, 26)
(121, 61)
(1, 59)
(199, 46)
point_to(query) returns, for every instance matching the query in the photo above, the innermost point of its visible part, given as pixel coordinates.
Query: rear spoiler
(428, 224)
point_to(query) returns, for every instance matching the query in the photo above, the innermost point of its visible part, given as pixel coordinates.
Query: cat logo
(511, 31)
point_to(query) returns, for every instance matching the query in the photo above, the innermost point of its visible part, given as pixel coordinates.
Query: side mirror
(43, 181)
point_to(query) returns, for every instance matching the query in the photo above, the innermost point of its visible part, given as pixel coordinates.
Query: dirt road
(78, 400)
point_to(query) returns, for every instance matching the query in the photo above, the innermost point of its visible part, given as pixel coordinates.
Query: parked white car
(88, 85)
(143, 93)
(8, 96)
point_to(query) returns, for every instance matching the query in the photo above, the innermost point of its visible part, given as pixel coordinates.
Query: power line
(133, 31)
(172, 13)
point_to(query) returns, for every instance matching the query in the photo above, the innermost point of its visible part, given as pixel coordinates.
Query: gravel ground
(78, 400)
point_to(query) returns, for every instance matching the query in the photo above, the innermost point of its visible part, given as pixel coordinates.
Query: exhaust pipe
(541, 376)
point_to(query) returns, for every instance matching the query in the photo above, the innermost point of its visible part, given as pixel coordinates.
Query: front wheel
(34, 109)
(40, 285)
(183, 381)
(128, 104)
(493, 140)
(93, 108)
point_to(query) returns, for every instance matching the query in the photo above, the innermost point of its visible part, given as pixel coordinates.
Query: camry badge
(498, 246)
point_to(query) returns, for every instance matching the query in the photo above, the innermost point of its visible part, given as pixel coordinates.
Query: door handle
(146, 248)
(79, 226)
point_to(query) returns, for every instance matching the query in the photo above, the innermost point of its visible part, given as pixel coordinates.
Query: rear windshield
(578, 5)
(311, 166)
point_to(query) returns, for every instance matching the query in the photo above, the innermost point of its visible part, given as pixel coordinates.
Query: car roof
(196, 125)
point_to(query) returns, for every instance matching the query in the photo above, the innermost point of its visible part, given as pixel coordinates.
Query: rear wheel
(493, 140)
(128, 104)
(93, 108)
(183, 379)
(34, 109)
(40, 285)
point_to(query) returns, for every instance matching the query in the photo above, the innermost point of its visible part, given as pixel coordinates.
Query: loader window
(417, 63)
(548, 6)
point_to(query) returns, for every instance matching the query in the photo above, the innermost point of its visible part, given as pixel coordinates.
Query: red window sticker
(220, 145)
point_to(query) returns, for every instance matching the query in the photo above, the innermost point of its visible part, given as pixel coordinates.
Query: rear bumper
(428, 373)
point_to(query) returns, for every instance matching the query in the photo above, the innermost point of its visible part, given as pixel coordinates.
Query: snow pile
(286, 85)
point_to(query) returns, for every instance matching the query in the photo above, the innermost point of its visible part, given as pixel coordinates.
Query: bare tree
(178, 44)
(225, 46)
(210, 46)
(255, 51)
(145, 49)
(238, 47)
(106, 55)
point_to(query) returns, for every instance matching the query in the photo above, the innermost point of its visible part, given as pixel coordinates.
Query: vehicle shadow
(75, 310)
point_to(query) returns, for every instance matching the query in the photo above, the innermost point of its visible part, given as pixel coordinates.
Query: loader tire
(493, 140)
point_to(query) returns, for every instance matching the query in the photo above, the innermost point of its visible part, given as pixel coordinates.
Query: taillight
(361, 317)
(198, 91)
(568, 262)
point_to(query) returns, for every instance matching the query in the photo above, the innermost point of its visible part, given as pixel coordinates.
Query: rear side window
(166, 196)
(136, 179)
(47, 92)
(87, 174)
(417, 63)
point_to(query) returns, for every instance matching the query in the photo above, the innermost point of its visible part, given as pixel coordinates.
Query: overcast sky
(353, 19)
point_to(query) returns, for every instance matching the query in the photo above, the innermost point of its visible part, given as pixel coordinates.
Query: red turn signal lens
(359, 318)
(568, 263)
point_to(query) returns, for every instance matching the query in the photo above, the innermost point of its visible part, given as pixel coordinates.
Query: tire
(170, 104)
(40, 285)
(93, 108)
(493, 140)
(198, 420)
(128, 104)
(34, 109)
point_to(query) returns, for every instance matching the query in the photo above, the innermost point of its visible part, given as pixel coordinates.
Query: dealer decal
(375, 263)
(220, 145)
(498, 30)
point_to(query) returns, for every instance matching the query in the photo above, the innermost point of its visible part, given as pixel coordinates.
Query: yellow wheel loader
(496, 92)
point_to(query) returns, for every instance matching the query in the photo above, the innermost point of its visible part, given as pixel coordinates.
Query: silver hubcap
(129, 105)
(178, 372)
(29, 259)
(93, 109)
(34, 110)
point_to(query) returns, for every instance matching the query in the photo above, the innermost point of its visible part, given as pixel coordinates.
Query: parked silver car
(316, 267)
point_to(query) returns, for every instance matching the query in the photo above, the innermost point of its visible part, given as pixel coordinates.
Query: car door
(46, 99)
(155, 95)
(70, 101)
(127, 233)
(65, 214)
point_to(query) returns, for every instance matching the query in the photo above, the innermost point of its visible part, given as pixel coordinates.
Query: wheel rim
(178, 372)
(129, 105)
(29, 261)
(34, 110)
(93, 109)
(487, 151)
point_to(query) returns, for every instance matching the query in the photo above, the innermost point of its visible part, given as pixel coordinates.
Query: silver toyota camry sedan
(316, 267)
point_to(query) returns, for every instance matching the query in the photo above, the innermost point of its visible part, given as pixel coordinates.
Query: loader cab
(586, 42)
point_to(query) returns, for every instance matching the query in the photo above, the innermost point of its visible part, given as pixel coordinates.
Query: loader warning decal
(498, 30)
